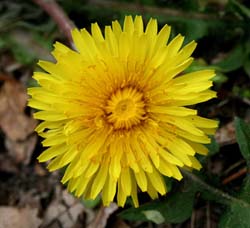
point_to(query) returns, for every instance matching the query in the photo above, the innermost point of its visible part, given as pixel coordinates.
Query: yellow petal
(209, 131)
(157, 181)
(141, 180)
(126, 181)
(151, 191)
(197, 76)
(57, 139)
(163, 37)
(164, 168)
(185, 52)
(176, 111)
(195, 163)
(39, 105)
(72, 185)
(152, 27)
(121, 196)
(116, 28)
(111, 40)
(199, 148)
(134, 192)
(143, 160)
(96, 33)
(94, 145)
(138, 25)
(49, 125)
(128, 25)
(93, 166)
(70, 171)
(176, 172)
(83, 183)
(131, 159)
(49, 116)
(203, 122)
(175, 45)
(109, 191)
(115, 160)
(99, 181)
(52, 152)
(168, 157)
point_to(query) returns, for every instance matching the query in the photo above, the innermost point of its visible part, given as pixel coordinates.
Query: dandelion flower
(114, 113)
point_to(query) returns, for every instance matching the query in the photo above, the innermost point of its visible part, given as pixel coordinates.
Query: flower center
(125, 108)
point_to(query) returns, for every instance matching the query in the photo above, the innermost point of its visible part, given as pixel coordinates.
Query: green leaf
(154, 216)
(196, 29)
(92, 203)
(213, 147)
(208, 191)
(241, 91)
(2, 43)
(219, 78)
(243, 137)
(233, 61)
(238, 215)
(193, 29)
(243, 10)
(247, 65)
(176, 208)
(197, 64)
(147, 2)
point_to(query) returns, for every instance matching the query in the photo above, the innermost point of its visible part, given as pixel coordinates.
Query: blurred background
(31, 197)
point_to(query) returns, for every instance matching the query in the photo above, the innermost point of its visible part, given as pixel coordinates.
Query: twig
(246, 101)
(235, 176)
(234, 166)
(58, 15)
(192, 220)
(4, 77)
(208, 223)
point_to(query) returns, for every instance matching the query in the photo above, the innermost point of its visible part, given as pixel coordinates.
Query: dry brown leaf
(21, 151)
(40, 170)
(64, 209)
(7, 164)
(226, 134)
(13, 121)
(103, 215)
(16, 125)
(19, 218)
(120, 224)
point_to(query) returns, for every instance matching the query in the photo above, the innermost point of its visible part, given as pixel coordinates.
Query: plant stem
(225, 197)
(144, 9)
(58, 15)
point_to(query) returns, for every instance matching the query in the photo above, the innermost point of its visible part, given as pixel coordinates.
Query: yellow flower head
(113, 111)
